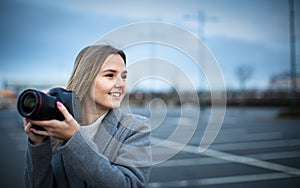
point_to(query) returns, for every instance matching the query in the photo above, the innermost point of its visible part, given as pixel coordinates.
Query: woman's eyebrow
(114, 71)
(109, 70)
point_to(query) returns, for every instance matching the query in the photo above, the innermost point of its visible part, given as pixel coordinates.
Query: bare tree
(244, 73)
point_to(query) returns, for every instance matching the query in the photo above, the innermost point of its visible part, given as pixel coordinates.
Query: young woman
(108, 148)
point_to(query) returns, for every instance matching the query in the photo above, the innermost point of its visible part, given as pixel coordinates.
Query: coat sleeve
(38, 169)
(129, 168)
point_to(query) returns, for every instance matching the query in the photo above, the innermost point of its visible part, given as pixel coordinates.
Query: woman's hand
(34, 138)
(63, 130)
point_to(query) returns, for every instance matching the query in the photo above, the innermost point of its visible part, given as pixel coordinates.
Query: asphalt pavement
(253, 148)
(13, 142)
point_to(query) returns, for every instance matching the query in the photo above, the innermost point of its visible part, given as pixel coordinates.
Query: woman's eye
(110, 75)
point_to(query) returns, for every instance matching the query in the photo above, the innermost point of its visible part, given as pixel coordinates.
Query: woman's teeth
(116, 94)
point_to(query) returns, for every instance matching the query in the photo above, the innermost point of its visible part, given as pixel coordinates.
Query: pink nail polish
(58, 103)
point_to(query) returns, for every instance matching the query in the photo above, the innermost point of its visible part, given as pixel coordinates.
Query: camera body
(36, 105)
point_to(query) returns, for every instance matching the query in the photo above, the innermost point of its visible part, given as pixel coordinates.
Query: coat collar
(111, 121)
(108, 129)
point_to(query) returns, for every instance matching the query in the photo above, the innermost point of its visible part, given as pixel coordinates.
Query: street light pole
(201, 18)
(293, 73)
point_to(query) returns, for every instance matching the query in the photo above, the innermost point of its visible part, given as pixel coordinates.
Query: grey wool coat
(119, 156)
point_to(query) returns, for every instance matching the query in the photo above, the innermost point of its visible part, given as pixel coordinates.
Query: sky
(41, 39)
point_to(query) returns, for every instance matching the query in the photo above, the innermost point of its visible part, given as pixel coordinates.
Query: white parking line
(210, 160)
(229, 157)
(249, 137)
(219, 180)
(257, 145)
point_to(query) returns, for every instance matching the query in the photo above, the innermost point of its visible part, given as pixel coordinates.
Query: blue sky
(40, 39)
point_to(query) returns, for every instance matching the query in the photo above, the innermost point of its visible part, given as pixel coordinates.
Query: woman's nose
(120, 83)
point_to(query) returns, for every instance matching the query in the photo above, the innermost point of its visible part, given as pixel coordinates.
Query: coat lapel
(107, 130)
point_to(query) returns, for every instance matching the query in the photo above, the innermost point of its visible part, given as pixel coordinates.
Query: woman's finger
(43, 123)
(26, 125)
(64, 111)
(40, 133)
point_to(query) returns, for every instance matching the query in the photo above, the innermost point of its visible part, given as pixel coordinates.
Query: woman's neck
(91, 112)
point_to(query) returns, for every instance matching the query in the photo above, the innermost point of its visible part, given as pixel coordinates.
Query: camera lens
(29, 103)
(36, 105)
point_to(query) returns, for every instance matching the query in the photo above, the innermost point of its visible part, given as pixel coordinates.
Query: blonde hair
(87, 65)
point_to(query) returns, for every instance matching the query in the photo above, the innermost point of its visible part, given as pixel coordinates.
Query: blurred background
(255, 43)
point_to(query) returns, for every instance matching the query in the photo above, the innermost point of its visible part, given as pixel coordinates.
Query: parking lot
(253, 148)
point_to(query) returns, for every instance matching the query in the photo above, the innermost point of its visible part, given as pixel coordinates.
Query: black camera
(36, 105)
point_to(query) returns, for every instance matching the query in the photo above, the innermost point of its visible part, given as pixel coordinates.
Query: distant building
(283, 82)
(18, 85)
(7, 98)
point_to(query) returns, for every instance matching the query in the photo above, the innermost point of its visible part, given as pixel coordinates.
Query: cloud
(264, 22)
(132, 9)
(52, 32)
(256, 21)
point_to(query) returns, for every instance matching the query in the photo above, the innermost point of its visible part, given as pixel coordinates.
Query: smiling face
(109, 87)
